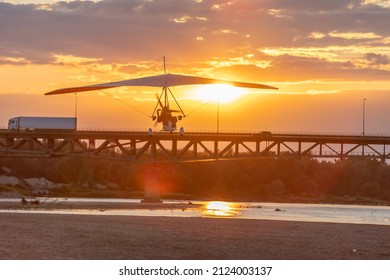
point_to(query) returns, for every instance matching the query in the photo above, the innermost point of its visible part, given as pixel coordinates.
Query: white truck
(42, 123)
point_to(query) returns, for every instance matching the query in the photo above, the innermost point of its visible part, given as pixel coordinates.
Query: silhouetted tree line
(257, 179)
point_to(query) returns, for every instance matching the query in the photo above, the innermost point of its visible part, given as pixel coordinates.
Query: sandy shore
(58, 236)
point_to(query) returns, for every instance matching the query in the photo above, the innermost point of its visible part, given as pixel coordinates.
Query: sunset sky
(324, 56)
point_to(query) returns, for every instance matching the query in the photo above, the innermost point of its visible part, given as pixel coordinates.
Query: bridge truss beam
(165, 147)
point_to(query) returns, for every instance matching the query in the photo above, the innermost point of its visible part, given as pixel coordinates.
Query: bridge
(189, 147)
(161, 147)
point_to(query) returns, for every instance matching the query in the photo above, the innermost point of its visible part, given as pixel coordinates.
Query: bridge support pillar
(152, 187)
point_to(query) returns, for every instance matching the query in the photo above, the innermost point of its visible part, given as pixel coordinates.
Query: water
(356, 214)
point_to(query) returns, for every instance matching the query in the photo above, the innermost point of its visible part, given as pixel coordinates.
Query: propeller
(156, 119)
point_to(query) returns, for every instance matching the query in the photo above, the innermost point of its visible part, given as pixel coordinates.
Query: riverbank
(57, 236)
(59, 204)
(79, 192)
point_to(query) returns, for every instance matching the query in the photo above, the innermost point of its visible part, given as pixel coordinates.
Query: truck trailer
(42, 123)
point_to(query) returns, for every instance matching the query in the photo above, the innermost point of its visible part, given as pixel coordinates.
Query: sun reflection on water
(220, 209)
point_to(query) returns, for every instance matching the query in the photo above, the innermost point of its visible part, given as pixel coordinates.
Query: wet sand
(57, 236)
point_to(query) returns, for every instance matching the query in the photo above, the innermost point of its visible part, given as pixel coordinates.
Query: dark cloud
(309, 5)
(108, 29)
(377, 59)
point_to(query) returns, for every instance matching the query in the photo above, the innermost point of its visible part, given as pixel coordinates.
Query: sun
(216, 93)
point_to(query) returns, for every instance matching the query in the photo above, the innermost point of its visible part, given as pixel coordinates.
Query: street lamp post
(364, 119)
(216, 141)
(364, 115)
